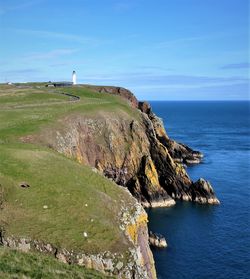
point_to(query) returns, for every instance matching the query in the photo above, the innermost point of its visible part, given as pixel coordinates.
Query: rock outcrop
(157, 240)
(173, 176)
(179, 152)
(203, 192)
(119, 91)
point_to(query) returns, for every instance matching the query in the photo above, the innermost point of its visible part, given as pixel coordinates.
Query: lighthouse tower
(74, 78)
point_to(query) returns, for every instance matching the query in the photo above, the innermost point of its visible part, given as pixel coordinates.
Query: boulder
(202, 192)
(157, 240)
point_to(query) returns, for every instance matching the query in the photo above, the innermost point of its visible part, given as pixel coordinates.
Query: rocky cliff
(132, 150)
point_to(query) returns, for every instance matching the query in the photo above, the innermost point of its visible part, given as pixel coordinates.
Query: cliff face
(137, 231)
(173, 176)
(134, 151)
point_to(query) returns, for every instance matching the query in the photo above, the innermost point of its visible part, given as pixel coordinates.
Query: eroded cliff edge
(133, 258)
(133, 149)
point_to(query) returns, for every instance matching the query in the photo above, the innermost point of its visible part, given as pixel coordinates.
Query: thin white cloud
(56, 35)
(52, 54)
(53, 35)
(154, 68)
(151, 79)
(21, 71)
(243, 65)
(212, 92)
(190, 39)
(8, 7)
(20, 75)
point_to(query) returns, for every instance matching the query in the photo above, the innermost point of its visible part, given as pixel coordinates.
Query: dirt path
(72, 99)
(50, 104)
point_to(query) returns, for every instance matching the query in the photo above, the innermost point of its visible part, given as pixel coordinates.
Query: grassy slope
(16, 264)
(60, 183)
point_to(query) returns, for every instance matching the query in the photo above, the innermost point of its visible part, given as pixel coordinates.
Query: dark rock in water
(202, 192)
(192, 161)
(182, 153)
(157, 240)
(192, 157)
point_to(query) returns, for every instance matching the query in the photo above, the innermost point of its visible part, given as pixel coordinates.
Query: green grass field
(16, 265)
(65, 199)
(26, 110)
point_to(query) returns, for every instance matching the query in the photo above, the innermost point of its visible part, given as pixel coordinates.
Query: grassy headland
(65, 199)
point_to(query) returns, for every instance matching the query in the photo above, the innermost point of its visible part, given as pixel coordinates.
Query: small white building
(74, 77)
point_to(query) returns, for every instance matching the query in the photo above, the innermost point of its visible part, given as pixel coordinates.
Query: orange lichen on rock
(151, 173)
(133, 228)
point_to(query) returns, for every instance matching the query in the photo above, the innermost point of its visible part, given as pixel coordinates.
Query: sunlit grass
(65, 198)
(15, 264)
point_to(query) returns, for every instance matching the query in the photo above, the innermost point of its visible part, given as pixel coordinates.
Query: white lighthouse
(74, 77)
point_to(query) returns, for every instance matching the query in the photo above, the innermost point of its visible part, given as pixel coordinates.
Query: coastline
(130, 147)
(221, 132)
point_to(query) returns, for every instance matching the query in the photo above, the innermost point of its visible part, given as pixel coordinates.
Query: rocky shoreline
(200, 191)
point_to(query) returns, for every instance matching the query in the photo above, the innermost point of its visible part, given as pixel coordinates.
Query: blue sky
(160, 49)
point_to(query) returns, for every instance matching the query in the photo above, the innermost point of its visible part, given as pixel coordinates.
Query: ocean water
(208, 241)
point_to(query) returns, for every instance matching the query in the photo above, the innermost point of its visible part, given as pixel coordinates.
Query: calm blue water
(208, 241)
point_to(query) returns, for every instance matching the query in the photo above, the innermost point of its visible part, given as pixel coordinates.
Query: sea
(208, 241)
